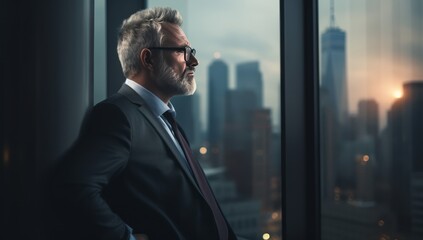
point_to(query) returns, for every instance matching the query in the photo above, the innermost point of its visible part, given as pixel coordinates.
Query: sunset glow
(397, 94)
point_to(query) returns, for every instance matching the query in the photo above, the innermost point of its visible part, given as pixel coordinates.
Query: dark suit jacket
(125, 169)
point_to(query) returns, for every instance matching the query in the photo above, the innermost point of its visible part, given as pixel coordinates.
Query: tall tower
(333, 106)
(218, 86)
(249, 78)
(334, 77)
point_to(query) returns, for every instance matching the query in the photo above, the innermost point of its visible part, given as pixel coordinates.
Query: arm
(100, 154)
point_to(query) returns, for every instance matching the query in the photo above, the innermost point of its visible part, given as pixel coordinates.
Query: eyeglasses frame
(185, 49)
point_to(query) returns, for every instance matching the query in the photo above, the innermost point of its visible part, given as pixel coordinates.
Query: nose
(192, 62)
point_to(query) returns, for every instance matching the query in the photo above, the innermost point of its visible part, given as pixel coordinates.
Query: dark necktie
(199, 176)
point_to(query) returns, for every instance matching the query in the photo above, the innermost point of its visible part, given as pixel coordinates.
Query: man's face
(175, 76)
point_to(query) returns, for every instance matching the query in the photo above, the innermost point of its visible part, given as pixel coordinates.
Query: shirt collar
(156, 105)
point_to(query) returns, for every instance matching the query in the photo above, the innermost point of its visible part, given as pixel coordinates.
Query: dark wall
(45, 91)
(46, 68)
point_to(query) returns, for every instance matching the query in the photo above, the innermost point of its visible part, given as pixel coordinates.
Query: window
(233, 119)
(371, 114)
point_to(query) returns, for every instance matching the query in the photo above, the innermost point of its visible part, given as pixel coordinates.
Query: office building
(217, 87)
(405, 123)
(333, 68)
(249, 78)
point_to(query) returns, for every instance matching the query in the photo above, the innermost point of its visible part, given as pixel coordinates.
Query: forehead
(174, 35)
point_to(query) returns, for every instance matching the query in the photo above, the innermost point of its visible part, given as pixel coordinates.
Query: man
(130, 174)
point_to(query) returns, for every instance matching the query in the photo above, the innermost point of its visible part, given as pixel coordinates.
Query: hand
(141, 236)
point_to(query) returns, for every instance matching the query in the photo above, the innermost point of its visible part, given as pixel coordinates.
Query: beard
(172, 83)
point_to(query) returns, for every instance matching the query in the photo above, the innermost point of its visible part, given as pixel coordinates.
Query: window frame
(300, 120)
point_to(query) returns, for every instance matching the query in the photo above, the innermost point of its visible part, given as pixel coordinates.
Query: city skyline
(379, 60)
(383, 42)
(369, 184)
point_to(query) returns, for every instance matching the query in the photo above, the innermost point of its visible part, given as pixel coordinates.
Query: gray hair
(142, 30)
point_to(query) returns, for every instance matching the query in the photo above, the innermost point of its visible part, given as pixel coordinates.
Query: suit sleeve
(98, 156)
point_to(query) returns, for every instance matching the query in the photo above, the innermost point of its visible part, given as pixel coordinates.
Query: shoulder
(116, 104)
(117, 100)
(109, 113)
(112, 106)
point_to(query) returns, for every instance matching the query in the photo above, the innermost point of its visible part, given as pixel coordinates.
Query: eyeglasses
(188, 51)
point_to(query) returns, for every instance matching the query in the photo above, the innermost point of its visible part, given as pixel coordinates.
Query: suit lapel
(135, 98)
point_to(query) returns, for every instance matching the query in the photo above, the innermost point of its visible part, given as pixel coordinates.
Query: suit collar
(130, 93)
(156, 105)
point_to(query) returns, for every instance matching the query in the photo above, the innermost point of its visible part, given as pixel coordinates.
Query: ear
(146, 58)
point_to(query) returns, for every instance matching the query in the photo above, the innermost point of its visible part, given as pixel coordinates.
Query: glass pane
(371, 118)
(233, 120)
(99, 75)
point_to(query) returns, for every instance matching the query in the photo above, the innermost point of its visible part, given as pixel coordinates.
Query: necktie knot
(169, 115)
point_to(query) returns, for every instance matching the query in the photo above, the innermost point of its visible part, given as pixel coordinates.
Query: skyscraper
(261, 136)
(247, 145)
(238, 139)
(218, 86)
(249, 78)
(405, 122)
(368, 118)
(334, 112)
(368, 131)
(334, 77)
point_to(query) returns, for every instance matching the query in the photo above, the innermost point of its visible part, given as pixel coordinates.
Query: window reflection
(371, 115)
